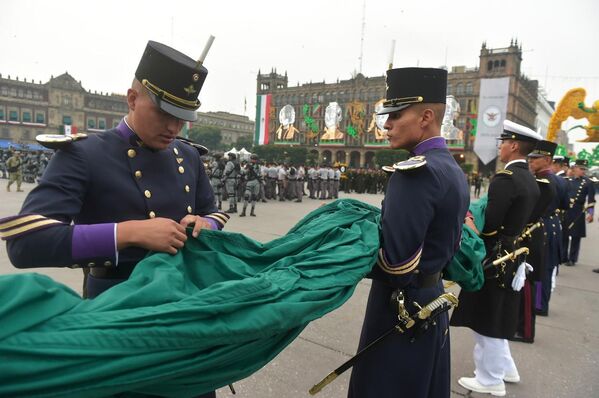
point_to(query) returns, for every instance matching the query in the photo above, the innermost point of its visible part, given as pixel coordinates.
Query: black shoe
(596, 270)
(569, 264)
(231, 211)
(242, 214)
(252, 214)
(297, 201)
(542, 313)
(263, 200)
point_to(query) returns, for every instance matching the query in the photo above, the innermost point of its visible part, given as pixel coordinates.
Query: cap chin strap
(164, 95)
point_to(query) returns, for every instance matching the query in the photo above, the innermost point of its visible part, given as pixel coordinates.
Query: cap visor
(391, 109)
(179, 113)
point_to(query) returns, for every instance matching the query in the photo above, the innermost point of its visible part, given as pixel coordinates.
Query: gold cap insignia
(195, 77)
(190, 89)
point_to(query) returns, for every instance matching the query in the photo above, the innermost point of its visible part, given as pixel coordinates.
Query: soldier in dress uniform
(251, 172)
(561, 168)
(422, 216)
(540, 161)
(535, 238)
(492, 312)
(581, 210)
(150, 189)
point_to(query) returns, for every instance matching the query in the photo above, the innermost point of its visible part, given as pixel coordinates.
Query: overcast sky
(100, 42)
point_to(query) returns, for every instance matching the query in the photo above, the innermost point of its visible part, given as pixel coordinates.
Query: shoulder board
(594, 179)
(201, 148)
(58, 141)
(410, 164)
(388, 169)
(506, 172)
(543, 180)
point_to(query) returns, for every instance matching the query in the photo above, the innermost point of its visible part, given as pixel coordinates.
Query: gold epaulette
(410, 164)
(507, 172)
(543, 180)
(388, 169)
(58, 141)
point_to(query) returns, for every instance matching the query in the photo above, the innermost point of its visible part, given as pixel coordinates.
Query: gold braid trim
(168, 97)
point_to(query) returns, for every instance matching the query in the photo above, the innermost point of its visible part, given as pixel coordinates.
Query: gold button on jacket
(131, 153)
(148, 194)
(181, 169)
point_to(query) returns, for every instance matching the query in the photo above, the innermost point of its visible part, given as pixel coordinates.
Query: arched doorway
(340, 156)
(355, 159)
(327, 156)
(369, 162)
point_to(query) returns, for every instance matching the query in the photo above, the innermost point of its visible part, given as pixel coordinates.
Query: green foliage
(281, 154)
(208, 136)
(386, 157)
(312, 159)
(246, 142)
(467, 167)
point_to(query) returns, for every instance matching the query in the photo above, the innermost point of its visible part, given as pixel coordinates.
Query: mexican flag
(262, 119)
(185, 130)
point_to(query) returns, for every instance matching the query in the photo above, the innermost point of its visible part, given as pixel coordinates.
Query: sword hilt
(323, 383)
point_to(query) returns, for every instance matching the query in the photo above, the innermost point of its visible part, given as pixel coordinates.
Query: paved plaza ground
(563, 361)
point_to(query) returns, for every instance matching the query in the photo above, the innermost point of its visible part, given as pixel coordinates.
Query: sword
(422, 319)
(584, 209)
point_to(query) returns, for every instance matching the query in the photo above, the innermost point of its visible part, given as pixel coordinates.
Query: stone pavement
(562, 362)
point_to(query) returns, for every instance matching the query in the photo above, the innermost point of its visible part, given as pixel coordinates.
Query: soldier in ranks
(310, 178)
(535, 237)
(230, 182)
(150, 189)
(421, 221)
(581, 209)
(323, 177)
(299, 184)
(561, 169)
(273, 174)
(251, 173)
(317, 184)
(336, 182)
(282, 182)
(492, 312)
(541, 164)
(263, 179)
(217, 167)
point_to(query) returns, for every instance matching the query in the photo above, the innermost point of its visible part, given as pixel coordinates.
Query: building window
(4, 90)
(490, 65)
(13, 116)
(40, 117)
(496, 64)
(28, 94)
(66, 120)
(469, 88)
(27, 116)
(91, 123)
(459, 89)
(13, 92)
(101, 124)
(503, 63)
(449, 88)
(2, 117)
(21, 93)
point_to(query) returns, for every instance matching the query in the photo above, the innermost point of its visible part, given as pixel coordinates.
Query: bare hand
(197, 222)
(157, 234)
(589, 218)
(469, 221)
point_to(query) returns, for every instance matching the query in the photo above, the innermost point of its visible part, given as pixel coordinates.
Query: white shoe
(470, 383)
(512, 378)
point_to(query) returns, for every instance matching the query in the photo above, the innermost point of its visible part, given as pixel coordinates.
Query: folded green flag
(186, 324)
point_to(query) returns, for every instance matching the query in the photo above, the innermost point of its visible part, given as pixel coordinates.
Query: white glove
(520, 277)
(553, 277)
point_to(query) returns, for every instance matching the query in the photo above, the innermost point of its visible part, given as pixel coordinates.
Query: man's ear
(132, 96)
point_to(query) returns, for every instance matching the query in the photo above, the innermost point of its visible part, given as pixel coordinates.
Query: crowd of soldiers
(236, 181)
(18, 166)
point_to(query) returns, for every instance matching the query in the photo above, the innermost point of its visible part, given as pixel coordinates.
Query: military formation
(22, 166)
(237, 181)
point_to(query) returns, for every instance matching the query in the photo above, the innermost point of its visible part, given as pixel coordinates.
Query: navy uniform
(492, 312)
(582, 202)
(421, 221)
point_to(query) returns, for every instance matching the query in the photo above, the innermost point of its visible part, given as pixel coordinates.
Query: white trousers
(492, 359)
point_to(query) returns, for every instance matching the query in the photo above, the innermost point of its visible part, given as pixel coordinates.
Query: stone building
(358, 96)
(28, 108)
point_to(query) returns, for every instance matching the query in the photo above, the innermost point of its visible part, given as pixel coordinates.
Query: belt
(122, 271)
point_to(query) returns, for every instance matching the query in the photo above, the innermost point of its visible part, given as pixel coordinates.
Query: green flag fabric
(186, 324)
(465, 267)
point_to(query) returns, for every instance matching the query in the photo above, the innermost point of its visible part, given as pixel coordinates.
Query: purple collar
(127, 134)
(427, 145)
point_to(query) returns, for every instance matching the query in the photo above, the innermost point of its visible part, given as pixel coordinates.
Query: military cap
(409, 86)
(517, 132)
(543, 148)
(173, 79)
(559, 159)
(582, 163)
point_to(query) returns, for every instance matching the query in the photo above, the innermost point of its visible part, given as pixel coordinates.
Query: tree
(246, 142)
(387, 157)
(208, 136)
